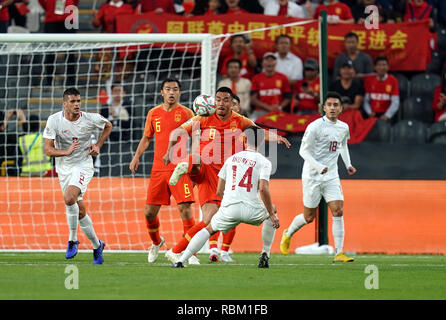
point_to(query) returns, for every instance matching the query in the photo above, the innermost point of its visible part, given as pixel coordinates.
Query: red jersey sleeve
(148, 129)
(191, 123)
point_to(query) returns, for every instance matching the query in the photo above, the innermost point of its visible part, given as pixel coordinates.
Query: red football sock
(227, 239)
(187, 224)
(213, 240)
(153, 226)
(189, 234)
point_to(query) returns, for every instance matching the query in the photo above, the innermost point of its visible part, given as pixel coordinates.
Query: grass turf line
(293, 277)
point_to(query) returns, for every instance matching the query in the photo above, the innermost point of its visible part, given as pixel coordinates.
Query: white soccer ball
(204, 105)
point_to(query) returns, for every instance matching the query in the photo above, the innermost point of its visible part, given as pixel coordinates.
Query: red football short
(207, 181)
(159, 190)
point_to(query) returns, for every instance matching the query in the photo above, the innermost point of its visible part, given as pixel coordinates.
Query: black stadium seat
(424, 84)
(417, 108)
(403, 85)
(381, 132)
(437, 133)
(409, 132)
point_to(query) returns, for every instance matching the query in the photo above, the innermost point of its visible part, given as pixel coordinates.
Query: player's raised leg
(338, 231)
(190, 166)
(297, 223)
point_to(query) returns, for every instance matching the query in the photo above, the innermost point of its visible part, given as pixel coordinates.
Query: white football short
(230, 216)
(314, 190)
(75, 176)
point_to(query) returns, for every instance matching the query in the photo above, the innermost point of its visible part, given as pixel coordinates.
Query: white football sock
(87, 227)
(196, 243)
(268, 232)
(72, 213)
(298, 222)
(338, 233)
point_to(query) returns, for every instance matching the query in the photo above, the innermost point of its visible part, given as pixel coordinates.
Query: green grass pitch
(128, 276)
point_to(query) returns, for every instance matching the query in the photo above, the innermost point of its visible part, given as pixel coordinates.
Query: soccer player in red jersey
(270, 90)
(219, 138)
(337, 12)
(381, 92)
(160, 121)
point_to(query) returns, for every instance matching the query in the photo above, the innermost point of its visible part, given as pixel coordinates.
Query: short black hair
(351, 35)
(333, 94)
(380, 58)
(171, 80)
(234, 61)
(236, 97)
(70, 92)
(235, 36)
(117, 84)
(255, 136)
(283, 36)
(225, 89)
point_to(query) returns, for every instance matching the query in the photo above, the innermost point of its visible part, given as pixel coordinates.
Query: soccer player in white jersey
(323, 141)
(243, 185)
(67, 138)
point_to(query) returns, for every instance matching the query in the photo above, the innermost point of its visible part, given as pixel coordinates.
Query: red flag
(359, 127)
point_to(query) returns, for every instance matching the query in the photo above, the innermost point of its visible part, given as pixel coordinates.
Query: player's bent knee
(70, 200)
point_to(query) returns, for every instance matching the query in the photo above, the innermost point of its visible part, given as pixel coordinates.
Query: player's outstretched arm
(274, 137)
(266, 198)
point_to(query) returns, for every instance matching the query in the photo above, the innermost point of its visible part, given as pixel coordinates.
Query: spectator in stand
(233, 7)
(18, 11)
(359, 14)
(239, 86)
(362, 62)
(439, 102)
(241, 50)
(282, 8)
(106, 17)
(381, 92)
(207, 8)
(13, 121)
(158, 6)
(337, 12)
(350, 89)
(306, 92)
(270, 90)
(419, 10)
(4, 15)
(118, 112)
(288, 63)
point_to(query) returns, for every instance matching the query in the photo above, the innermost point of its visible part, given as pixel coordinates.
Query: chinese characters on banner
(400, 42)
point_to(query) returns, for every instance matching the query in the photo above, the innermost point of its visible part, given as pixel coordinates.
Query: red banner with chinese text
(405, 44)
